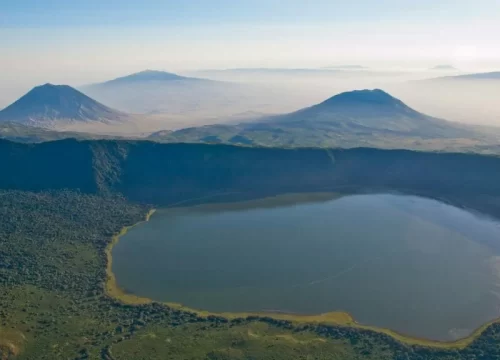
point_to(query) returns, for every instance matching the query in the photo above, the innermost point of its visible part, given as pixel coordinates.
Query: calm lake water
(410, 264)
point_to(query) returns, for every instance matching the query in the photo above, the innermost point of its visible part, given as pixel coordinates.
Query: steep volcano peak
(47, 103)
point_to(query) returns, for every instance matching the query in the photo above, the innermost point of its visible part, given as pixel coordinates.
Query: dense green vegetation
(62, 203)
(164, 174)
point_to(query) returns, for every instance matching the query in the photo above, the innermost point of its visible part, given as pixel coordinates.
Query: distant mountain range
(478, 76)
(444, 68)
(346, 67)
(351, 119)
(145, 76)
(332, 68)
(163, 93)
(153, 91)
(48, 105)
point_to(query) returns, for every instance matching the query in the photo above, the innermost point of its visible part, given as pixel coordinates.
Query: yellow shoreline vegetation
(337, 318)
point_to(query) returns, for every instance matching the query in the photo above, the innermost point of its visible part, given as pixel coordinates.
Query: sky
(78, 42)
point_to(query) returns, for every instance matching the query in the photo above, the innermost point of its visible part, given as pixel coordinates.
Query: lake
(410, 264)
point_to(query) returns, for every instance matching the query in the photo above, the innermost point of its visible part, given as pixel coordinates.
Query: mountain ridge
(153, 91)
(165, 174)
(493, 75)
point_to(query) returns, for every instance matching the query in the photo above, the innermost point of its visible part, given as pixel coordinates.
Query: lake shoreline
(342, 319)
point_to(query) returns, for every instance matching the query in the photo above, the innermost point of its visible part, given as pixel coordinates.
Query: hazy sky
(77, 42)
